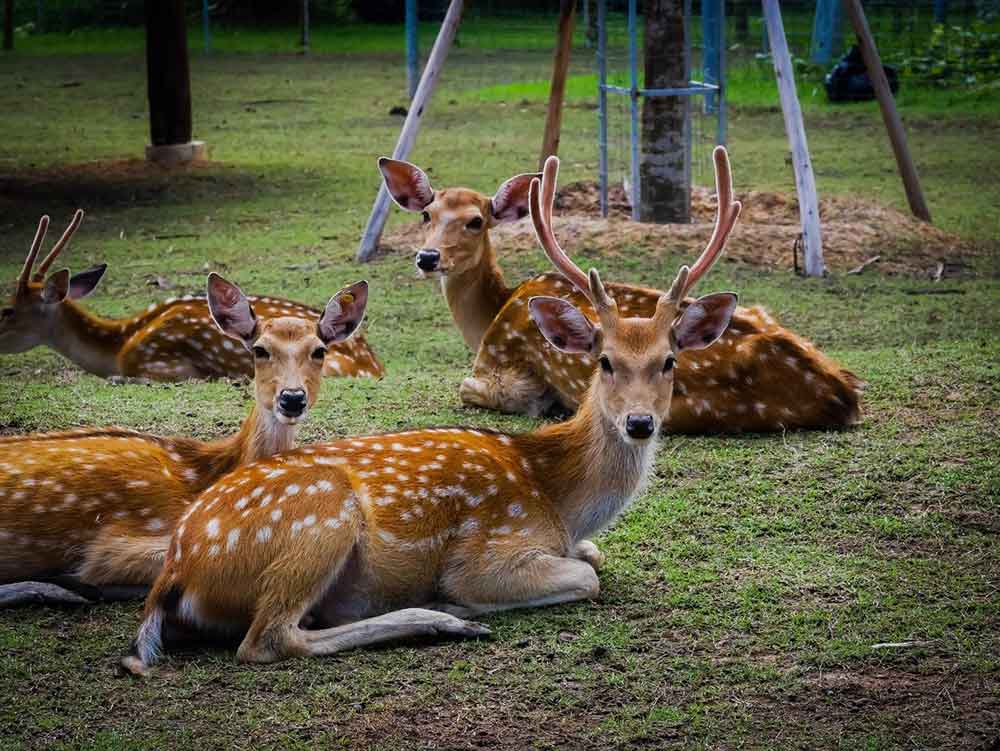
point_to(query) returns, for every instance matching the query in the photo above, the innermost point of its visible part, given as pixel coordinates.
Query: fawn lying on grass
(93, 509)
(389, 536)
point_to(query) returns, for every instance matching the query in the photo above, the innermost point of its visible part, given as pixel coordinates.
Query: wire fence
(497, 75)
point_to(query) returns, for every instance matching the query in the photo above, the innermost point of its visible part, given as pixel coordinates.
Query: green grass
(743, 592)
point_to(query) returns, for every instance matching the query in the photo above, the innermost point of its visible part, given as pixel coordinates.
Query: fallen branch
(865, 265)
(172, 237)
(902, 644)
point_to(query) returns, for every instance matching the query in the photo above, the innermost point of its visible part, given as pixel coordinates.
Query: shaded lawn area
(743, 593)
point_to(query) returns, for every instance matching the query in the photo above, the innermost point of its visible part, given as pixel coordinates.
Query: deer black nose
(428, 259)
(292, 402)
(639, 426)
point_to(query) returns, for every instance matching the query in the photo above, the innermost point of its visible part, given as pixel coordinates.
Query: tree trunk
(8, 24)
(168, 79)
(664, 164)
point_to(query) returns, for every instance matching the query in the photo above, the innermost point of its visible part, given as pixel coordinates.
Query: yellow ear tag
(347, 298)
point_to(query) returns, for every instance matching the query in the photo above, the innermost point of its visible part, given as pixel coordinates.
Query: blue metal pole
(412, 50)
(602, 104)
(205, 28)
(722, 122)
(826, 33)
(940, 11)
(633, 62)
(711, 38)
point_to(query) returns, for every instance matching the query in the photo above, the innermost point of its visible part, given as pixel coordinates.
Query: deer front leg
(587, 551)
(541, 580)
(288, 640)
(506, 390)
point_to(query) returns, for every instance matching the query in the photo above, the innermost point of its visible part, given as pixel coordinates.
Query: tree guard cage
(713, 89)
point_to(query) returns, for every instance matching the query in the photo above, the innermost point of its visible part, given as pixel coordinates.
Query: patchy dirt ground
(853, 232)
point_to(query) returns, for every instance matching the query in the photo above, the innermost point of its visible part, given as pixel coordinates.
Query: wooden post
(890, 115)
(805, 181)
(8, 25)
(408, 134)
(557, 91)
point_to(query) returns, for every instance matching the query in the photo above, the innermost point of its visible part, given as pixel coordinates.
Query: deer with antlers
(170, 341)
(758, 377)
(92, 510)
(373, 539)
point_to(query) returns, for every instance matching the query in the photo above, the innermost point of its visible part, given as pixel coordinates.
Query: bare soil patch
(853, 232)
(114, 182)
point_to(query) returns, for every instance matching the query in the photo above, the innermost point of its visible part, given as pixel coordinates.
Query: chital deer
(94, 508)
(170, 341)
(758, 377)
(371, 539)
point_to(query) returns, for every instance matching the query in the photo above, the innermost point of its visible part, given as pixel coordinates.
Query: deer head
(288, 352)
(456, 220)
(634, 385)
(34, 310)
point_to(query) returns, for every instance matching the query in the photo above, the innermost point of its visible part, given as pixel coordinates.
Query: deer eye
(426, 217)
(606, 365)
(319, 353)
(669, 363)
(261, 354)
(475, 224)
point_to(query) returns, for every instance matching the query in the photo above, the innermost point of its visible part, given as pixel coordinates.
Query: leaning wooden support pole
(805, 181)
(893, 123)
(408, 135)
(557, 91)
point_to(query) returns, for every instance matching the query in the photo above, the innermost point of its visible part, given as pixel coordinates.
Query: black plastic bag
(849, 82)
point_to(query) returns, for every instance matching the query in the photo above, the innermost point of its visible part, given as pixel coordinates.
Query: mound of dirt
(853, 232)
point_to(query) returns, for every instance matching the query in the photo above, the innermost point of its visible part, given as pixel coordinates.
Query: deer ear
(231, 310)
(563, 325)
(82, 284)
(343, 313)
(56, 287)
(409, 187)
(704, 320)
(510, 202)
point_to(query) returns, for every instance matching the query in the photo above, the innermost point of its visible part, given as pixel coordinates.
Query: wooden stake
(893, 123)
(408, 135)
(805, 181)
(557, 91)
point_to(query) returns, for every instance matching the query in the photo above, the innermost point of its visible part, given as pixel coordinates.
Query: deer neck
(476, 296)
(92, 342)
(587, 469)
(261, 435)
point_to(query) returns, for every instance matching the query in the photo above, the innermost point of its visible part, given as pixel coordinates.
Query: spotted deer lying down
(93, 509)
(758, 377)
(373, 539)
(170, 341)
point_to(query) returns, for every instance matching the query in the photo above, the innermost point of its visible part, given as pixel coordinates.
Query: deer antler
(57, 248)
(25, 275)
(727, 213)
(540, 207)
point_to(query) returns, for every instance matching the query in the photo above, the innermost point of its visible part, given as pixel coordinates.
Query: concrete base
(177, 153)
